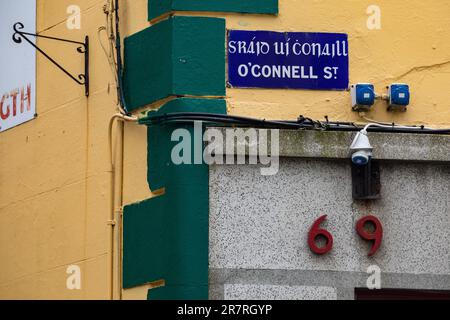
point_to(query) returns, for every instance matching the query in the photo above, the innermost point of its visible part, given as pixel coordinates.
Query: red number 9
(376, 236)
(316, 232)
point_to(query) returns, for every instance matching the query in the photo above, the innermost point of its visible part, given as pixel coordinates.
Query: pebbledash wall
(225, 231)
(259, 225)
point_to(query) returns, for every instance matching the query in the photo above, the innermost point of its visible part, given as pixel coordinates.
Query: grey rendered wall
(259, 224)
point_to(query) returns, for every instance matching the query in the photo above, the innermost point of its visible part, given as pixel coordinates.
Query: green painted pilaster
(178, 56)
(178, 293)
(158, 8)
(167, 237)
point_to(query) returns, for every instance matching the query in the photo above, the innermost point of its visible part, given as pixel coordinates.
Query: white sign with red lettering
(17, 65)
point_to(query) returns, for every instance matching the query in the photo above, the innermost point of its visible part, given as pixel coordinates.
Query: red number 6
(376, 236)
(317, 232)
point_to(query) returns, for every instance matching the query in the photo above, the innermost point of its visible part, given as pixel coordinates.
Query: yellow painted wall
(54, 171)
(412, 46)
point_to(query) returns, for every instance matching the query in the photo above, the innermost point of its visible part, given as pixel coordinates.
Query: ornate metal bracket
(82, 79)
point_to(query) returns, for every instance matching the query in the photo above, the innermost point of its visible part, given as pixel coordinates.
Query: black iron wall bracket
(81, 79)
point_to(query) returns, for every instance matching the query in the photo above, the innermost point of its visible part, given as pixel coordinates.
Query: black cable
(195, 115)
(395, 130)
(220, 120)
(120, 92)
(301, 123)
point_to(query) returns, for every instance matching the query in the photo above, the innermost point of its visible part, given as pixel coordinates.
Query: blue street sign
(295, 60)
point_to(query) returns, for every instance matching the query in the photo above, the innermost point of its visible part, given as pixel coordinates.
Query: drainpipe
(116, 172)
(116, 156)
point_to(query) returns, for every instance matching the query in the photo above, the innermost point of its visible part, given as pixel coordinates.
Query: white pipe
(115, 203)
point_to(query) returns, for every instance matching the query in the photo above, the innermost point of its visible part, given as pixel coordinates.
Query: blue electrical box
(399, 96)
(363, 96)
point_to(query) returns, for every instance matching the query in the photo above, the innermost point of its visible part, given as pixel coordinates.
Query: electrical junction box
(399, 96)
(363, 96)
(366, 181)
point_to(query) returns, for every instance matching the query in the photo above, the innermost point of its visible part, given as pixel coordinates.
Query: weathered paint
(178, 56)
(158, 8)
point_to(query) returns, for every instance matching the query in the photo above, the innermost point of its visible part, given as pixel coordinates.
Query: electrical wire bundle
(113, 50)
(301, 123)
